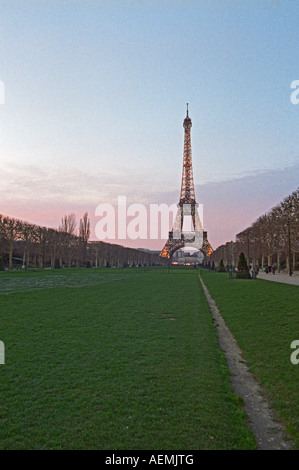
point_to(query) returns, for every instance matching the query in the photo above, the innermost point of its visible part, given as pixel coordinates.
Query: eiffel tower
(178, 237)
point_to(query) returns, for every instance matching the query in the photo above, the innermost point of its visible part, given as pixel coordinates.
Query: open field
(263, 316)
(113, 359)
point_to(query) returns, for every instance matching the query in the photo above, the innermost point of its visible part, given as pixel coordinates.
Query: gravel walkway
(281, 277)
(269, 432)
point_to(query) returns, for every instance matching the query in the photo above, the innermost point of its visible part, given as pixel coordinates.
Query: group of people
(254, 270)
(270, 269)
(267, 270)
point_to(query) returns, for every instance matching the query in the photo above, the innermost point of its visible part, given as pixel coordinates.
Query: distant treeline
(272, 238)
(28, 245)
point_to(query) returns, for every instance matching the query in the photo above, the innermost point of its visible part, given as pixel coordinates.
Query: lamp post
(289, 206)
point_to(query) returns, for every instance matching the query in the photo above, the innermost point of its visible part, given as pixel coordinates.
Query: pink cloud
(229, 206)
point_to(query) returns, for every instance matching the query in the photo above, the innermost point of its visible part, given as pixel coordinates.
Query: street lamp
(289, 206)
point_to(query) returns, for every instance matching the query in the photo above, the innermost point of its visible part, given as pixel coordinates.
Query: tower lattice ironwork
(187, 186)
(187, 207)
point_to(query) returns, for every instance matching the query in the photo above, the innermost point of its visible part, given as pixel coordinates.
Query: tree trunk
(10, 255)
(40, 260)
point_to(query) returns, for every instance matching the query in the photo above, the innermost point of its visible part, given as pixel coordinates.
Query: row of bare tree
(27, 244)
(272, 239)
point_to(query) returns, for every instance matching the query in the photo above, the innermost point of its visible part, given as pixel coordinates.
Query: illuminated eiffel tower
(187, 209)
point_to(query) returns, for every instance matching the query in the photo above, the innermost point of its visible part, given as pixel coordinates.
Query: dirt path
(269, 433)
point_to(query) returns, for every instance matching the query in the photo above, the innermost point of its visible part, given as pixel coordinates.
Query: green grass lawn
(264, 318)
(113, 359)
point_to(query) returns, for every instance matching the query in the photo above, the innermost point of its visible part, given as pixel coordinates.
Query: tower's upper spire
(187, 120)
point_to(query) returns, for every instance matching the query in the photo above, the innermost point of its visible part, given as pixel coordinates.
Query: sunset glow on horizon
(95, 97)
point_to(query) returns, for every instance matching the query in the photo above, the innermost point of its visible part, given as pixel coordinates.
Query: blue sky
(96, 92)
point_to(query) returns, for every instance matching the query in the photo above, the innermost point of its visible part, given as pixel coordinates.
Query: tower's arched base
(172, 245)
(177, 239)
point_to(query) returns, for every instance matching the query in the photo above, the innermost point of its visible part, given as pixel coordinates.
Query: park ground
(129, 358)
